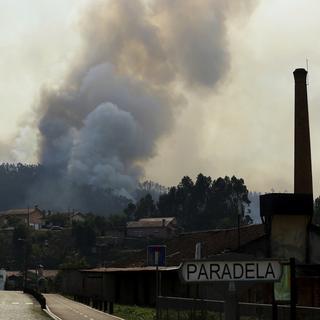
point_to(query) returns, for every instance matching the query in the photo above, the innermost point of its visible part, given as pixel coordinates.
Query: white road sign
(209, 271)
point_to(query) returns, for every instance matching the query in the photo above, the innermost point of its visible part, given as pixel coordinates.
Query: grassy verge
(134, 312)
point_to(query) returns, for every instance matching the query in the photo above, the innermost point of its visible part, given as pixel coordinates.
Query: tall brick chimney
(287, 216)
(302, 152)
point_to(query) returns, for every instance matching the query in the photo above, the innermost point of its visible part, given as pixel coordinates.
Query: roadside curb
(104, 313)
(55, 317)
(50, 314)
(37, 295)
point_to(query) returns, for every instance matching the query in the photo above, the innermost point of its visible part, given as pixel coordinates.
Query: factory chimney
(287, 216)
(302, 152)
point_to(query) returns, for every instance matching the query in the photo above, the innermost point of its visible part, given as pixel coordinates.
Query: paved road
(67, 309)
(15, 305)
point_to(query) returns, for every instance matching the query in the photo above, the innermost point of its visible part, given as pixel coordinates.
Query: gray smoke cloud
(120, 96)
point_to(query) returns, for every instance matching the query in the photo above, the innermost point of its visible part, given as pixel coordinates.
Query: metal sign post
(274, 307)
(156, 256)
(231, 303)
(156, 262)
(157, 292)
(293, 302)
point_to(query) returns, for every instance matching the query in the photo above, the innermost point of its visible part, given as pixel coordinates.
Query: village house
(162, 228)
(131, 281)
(76, 217)
(33, 217)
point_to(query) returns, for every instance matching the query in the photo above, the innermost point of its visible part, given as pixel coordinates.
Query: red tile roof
(151, 222)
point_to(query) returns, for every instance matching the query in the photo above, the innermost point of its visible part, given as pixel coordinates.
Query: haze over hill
(121, 93)
(148, 90)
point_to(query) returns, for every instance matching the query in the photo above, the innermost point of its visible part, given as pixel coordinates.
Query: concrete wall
(289, 237)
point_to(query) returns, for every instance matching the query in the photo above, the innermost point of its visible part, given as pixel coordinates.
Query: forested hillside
(28, 185)
(203, 204)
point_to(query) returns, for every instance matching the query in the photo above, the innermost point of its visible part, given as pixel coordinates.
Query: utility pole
(25, 262)
(231, 303)
(293, 300)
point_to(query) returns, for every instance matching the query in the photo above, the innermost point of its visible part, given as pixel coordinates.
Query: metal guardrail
(185, 303)
(174, 308)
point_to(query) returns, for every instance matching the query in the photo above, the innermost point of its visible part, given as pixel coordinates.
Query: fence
(172, 308)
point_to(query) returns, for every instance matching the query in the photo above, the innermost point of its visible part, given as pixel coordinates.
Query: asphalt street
(66, 309)
(15, 305)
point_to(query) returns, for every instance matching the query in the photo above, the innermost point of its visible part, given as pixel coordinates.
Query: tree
(228, 199)
(167, 204)
(153, 188)
(206, 204)
(130, 210)
(145, 208)
(202, 189)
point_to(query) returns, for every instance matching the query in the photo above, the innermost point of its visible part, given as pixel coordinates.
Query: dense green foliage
(134, 312)
(74, 246)
(198, 205)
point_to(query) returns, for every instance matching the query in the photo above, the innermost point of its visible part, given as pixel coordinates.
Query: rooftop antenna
(307, 64)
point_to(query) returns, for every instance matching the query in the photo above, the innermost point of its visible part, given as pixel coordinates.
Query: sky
(241, 126)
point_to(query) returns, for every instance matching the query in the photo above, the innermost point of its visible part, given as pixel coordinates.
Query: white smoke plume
(120, 95)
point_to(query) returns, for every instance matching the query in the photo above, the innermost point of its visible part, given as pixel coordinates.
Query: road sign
(156, 255)
(210, 271)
